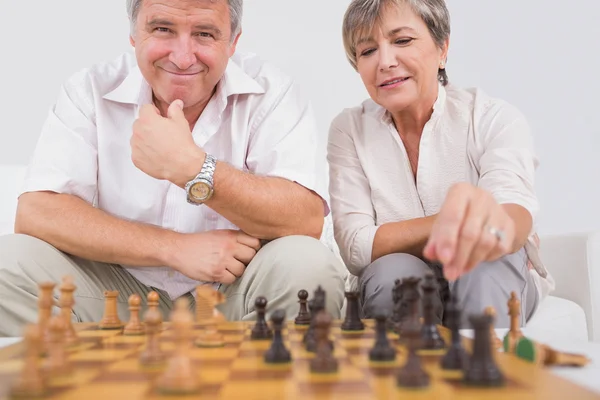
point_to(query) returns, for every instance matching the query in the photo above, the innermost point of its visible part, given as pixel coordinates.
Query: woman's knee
(377, 281)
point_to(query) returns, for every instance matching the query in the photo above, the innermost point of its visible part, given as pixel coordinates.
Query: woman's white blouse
(470, 137)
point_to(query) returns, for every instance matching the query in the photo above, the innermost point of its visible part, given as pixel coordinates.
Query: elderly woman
(427, 177)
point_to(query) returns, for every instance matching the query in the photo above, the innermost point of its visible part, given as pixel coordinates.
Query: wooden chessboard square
(258, 345)
(363, 361)
(346, 373)
(214, 353)
(386, 387)
(263, 390)
(102, 355)
(98, 333)
(121, 339)
(134, 391)
(205, 392)
(78, 376)
(233, 338)
(348, 390)
(295, 337)
(11, 366)
(257, 363)
(300, 352)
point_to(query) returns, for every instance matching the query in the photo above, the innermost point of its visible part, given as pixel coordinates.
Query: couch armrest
(573, 260)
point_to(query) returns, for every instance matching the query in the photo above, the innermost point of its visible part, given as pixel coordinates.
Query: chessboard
(106, 364)
(311, 357)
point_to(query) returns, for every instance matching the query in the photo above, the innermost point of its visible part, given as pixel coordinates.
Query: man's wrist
(190, 168)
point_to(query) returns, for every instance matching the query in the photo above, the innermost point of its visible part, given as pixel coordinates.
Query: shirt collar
(135, 90)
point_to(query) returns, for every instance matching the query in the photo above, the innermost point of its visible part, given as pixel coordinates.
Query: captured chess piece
(261, 329)
(208, 317)
(66, 302)
(456, 357)
(134, 326)
(180, 377)
(541, 354)
(482, 369)
(382, 349)
(31, 382)
(152, 355)
(57, 363)
(513, 336)
(303, 317)
(412, 374)
(323, 361)
(494, 339)
(277, 353)
(352, 321)
(430, 335)
(110, 320)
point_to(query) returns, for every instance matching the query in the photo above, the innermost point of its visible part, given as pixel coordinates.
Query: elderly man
(180, 166)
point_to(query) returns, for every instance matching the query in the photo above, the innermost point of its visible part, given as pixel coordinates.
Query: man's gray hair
(362, 15)
(236, 8)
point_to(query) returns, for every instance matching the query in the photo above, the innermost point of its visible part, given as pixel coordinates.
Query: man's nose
(183, 54)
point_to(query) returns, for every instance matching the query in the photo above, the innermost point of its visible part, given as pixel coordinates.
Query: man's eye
(205, 34)
(161, 29)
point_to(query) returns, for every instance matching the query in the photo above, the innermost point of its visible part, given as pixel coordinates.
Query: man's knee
(19, 253)
(378, 279)
(293, 263)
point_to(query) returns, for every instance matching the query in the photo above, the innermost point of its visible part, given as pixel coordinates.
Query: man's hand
(164, 147)
(216, 256)
(470, 228)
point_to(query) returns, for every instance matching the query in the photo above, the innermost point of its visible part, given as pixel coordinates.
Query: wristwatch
(201, 188)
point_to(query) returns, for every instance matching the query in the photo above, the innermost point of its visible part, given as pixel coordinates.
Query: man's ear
(132, 40)
(233, 45)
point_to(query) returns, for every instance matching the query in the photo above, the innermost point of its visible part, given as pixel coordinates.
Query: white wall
(541, 55)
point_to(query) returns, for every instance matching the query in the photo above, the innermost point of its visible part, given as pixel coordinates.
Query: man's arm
(266, 207)
(75, 227)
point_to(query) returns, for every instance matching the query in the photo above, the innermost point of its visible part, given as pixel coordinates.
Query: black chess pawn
(430, 335)
(310, 337)
(382, 349)
(482, 369)
(323, 361)
(410, 298)
(303, 317)
(352, 321)
(456, 356)
(277, 353)
(261, 329)
(412, 374)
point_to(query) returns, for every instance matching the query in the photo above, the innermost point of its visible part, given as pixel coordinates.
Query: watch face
(200, 190)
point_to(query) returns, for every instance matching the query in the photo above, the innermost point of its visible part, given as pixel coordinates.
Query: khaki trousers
(278, 271)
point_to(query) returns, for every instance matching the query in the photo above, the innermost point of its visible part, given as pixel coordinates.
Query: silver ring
(500, 235)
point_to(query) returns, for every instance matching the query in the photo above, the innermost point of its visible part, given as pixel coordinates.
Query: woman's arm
(360, 240)
(487, 221)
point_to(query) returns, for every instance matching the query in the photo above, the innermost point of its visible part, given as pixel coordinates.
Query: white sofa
(572, 311)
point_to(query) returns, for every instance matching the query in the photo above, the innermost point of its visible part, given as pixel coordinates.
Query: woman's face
(398, 62)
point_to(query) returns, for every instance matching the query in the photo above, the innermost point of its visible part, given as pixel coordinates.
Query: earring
(441, 65)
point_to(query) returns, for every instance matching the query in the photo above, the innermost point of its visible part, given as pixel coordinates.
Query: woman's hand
(470, 228)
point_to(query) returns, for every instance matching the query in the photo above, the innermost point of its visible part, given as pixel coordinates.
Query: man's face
(182, 48)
